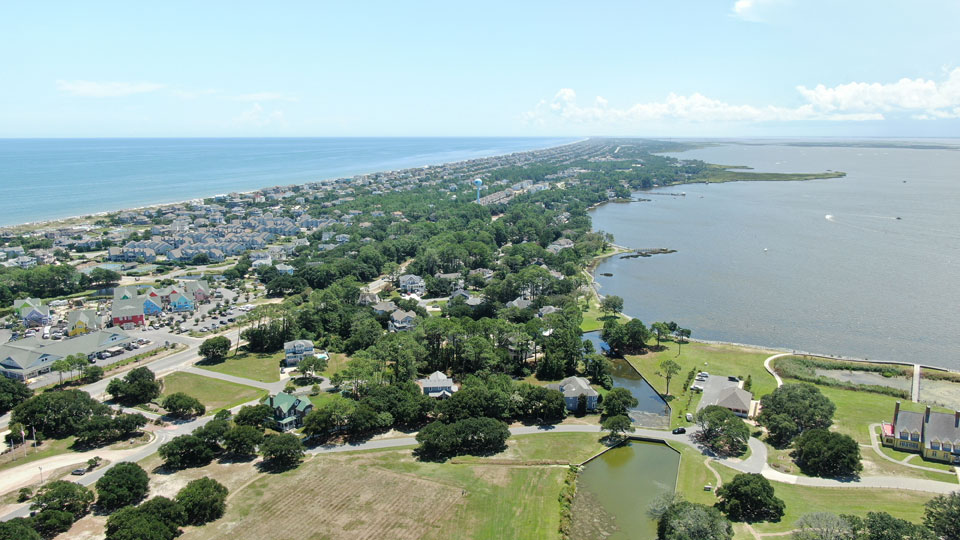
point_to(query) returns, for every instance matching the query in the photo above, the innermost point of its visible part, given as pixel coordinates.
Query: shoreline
(590, 269)
(48, 222)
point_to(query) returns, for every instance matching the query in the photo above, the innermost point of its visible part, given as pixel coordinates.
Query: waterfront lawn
(719, 360)
(213, 393)
(856, 410)
(800, 500)
(694, 474)
(254, 366)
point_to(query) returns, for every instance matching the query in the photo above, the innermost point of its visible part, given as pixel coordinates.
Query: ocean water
(822, 266)
(43, 179)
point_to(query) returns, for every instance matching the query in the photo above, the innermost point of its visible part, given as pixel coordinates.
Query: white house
(296, 350)
(437, 385)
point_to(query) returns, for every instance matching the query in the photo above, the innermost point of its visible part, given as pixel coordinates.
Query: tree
(256, 415)
(822, 526)
(750, 498)
(722, 431)
(281, 451)
(681, 333)
(92, 374)
(883, 526)
(942, 514)
(61, 366)
(243, 440)
(203, 499)
(180, 405)
(618, 426)
(18, 529)
(122, 485)
(476, 436)
(598, 368)
(661, 329)
(820, 452)
(685, 520)
(58, 413)
(618, 401)
(185, 451)
(312, 365)
(611, 305)
(668, 368)
(50, 523)
(139, 385)
(169, 512)
(12, 393)
(64, 496)
(214, 350)
(132, 523)
(802, 404)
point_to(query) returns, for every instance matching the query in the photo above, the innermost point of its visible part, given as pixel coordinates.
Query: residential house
(401, 320)
(934, 435)
(368, 299)
(181, 302)
(127, 313)
(437, 385)
(32, 312)
(559, 245)
(384, 307)
(413, 284)
(574, 387)
(82, 321)
(152, 305)
(285, 269)
(520, 303)
(289, 410)
(124, 293)
(547, 310)
(296, 350)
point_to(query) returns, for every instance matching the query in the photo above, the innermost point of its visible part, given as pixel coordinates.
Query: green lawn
(335, 363)
(573, 448)
(254, 366)
(802, 500)
(857, 410)
(213, 393)
(49, 448)
(593, 318)
(322, 398)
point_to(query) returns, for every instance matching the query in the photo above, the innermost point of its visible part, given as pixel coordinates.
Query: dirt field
(333, 499)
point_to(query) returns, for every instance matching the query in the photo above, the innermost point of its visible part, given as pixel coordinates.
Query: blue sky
(671, 68)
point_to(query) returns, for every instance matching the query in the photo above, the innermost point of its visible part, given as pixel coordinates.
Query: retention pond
(615, 490)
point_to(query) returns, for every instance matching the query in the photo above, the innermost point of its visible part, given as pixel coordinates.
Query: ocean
(864, 266)
(44, 179)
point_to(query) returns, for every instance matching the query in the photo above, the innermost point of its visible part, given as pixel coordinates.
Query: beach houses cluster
(130, 307)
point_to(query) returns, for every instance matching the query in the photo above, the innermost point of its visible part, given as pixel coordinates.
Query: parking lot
(713, 386)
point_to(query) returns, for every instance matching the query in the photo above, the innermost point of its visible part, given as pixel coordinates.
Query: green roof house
(289, 410)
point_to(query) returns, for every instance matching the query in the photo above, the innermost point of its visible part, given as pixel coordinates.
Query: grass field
(49, 448)
(857, 410)
(801, 500)
(335, 363)
(213, 393)
(572, 448)
(388, 494)
(254, 366)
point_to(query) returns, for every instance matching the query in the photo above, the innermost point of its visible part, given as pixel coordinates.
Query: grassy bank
(254, 366)
(213, 393)
(722, 173)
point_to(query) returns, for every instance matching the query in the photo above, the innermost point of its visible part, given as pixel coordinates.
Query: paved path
(915, 389)
(768, 365)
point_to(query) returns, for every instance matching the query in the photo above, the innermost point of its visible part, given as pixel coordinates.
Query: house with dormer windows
(934, 435)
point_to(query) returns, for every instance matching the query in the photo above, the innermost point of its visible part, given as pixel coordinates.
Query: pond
(652, 411)
(615, 490)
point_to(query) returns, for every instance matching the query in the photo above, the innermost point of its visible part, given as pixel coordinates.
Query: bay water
(866, 266)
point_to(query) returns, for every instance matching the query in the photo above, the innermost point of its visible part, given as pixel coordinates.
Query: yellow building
(935, 436)
(82, 321)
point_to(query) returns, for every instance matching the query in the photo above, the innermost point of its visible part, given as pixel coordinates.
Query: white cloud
(264, 96)
(752, 10)
(852, 102)
(106, 89)
(256, 116)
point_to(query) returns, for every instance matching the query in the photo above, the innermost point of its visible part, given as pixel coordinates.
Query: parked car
(78, 472)
(679, 431)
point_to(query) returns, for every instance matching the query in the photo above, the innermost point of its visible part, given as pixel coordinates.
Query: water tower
(478, 183)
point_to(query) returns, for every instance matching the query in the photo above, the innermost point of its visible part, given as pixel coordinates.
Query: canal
(651, 411)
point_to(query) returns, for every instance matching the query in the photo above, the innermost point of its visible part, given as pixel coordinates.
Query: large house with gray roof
(934, 435)
(26, 358)
(574, 387)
